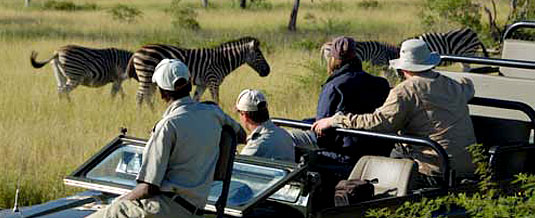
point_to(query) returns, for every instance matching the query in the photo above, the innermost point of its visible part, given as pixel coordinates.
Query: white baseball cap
(249, 99)
(168, 71)
(415, 56)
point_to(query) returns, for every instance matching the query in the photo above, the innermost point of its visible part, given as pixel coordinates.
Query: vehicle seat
(518, 50)
(395, 175)
(492, 131)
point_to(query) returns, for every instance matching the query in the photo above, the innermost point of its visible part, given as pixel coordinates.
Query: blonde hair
(333, 64)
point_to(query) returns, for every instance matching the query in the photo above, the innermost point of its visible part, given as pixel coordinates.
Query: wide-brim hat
(415, 56)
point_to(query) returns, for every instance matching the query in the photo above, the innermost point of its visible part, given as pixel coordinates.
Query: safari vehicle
(503, 118)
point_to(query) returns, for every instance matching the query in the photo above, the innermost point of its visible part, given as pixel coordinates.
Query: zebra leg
(199, 90)
(71, 85)
(117, 88)
(214, 90)
(61, 80)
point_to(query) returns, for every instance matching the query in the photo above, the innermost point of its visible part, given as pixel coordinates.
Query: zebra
(76, 65)
(208, 66)
(377, 53)
(459, 42)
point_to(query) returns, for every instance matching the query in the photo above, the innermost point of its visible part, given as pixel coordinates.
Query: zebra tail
(38, 64)
(131, 70)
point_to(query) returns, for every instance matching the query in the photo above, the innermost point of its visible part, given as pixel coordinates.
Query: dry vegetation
(43, 138)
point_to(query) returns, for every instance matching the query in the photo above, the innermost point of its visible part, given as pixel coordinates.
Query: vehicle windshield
(248, 180)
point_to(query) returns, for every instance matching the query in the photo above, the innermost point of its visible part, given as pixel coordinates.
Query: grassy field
(44, 138)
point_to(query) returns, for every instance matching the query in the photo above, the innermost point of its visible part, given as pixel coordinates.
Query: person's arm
(142, 191)
(155, 160)
(468, 88)
(388, 118)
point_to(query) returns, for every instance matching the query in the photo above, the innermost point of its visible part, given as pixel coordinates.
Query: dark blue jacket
(349, 89)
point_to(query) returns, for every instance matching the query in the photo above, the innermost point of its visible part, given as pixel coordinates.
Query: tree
(26, 3)
(292, 25)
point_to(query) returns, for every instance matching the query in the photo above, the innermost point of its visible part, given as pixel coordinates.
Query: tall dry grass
(43, 138)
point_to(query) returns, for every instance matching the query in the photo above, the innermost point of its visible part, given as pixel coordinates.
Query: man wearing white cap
(179, 159)
(426, 104)
(266, 139)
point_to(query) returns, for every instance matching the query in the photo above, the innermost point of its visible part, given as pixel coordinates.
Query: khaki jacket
(427, 105)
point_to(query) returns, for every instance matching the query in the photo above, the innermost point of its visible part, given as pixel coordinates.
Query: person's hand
(321, 125)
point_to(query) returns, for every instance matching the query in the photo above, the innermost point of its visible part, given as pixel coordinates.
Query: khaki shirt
(270, 141)
(427, 105)
(182, 151)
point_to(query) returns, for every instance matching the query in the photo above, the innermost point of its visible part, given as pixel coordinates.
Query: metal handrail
(506, 104)
(515, 26)
(393, 137)
(490, 61)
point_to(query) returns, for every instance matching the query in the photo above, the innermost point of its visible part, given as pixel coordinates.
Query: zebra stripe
(377, 53)
(208, 66)
(76, 65)
(459, 42)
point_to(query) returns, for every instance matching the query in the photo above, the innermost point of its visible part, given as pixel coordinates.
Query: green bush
(260, 5)
(332, 5)
(68, 6)
(306, 44)
(125, 13)
(452, 12)
(183, 16)
(368, 4)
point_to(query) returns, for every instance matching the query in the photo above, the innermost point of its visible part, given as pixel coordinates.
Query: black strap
(185, 204)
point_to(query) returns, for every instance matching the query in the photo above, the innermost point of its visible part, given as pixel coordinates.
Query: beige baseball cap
(249, 99)
(168, 71)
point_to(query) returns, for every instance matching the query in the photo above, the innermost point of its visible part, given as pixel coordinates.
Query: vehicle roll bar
(506, 104)
(522, 24)
(392, 137)
(490, 61)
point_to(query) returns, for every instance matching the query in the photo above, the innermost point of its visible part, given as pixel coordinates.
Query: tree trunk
(26, 3)
(292, 25)
(242, 4)
(205, 3)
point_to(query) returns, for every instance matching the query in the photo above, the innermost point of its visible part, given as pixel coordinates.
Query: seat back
(225, 161)
(508, 161)
(518, 50)
(492, 131)
(395, 175)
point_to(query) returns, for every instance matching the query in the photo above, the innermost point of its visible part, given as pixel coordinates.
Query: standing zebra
(378, 53)
(75, 65)
(460, 42)
(208, 66)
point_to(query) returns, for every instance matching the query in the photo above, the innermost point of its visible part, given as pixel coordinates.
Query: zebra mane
(240, 41)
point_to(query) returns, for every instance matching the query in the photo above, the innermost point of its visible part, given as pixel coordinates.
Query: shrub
(452, 12)
(68, 6)
(306, 44)
(125, 13)
(260, 4)
(183, 16)
(332, 5)
(368, 4)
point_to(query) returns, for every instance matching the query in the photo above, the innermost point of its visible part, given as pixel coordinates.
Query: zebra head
(255, 59)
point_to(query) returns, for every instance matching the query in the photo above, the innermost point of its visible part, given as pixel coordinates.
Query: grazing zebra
(75, 65)
(377, 53)
(208, 66)
(460, 42)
